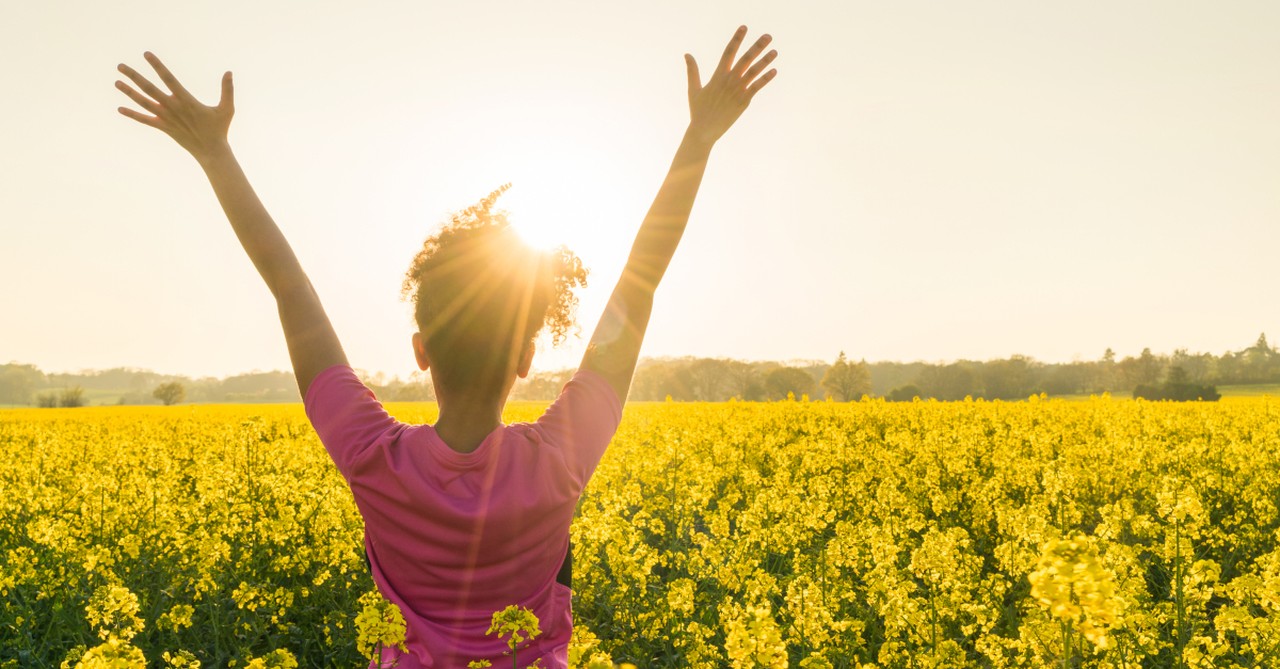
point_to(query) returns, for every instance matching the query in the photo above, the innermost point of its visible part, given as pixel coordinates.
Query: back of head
(482, 295)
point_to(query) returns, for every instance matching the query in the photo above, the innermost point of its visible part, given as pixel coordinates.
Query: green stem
(1177, 577)
(1066, 643)
(933, 621)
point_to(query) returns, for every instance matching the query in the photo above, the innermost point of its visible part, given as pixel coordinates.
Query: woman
(468, 516)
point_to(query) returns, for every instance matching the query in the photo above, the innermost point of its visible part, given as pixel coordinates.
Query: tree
(17, 382)
(905, 393)
(1066, 379)
(745, 382)
(1259, 359)
(1230, 367)
(708, 379)
(788, 380)
(1150, 367)
(1009, 379)
(1262, 347)
(1198, 367)
(170, 393)
(1144, 370)
(1105, 377)
(71, 397)
(949, 382)
(846, 381)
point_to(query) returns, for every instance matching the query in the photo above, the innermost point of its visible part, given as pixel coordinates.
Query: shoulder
(581, 422)
(346, 415)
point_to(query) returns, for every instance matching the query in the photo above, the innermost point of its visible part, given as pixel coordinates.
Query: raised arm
(202, 131)
(713, 108)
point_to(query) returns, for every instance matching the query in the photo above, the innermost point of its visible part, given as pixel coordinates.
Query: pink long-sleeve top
(453, 537)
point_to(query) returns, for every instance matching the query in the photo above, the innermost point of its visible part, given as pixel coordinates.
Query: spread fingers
(142, 100)
(142, 82)
(752, 54)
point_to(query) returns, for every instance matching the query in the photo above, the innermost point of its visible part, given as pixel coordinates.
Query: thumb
(695, 80)
(228, 93)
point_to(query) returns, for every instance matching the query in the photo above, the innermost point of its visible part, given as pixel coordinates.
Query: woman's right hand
(198, 128)
(716, 105)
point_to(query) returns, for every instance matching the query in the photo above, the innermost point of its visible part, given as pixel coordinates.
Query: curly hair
(481, 294)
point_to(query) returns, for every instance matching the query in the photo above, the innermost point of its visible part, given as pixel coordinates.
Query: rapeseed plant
(857, 534)
(1071, 582)
(379, 625)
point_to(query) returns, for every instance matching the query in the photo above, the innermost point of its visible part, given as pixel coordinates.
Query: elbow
(641, 278)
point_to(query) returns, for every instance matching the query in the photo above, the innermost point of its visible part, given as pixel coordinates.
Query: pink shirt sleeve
(581, 422)
(347, 416)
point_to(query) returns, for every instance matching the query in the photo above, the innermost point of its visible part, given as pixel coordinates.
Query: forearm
(259, 235)
(615, 345)
(664, 224)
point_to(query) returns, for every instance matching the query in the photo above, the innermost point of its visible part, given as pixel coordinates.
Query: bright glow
(538, 217)
(567, 194)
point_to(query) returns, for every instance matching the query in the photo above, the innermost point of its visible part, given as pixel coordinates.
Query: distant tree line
(27, 385)
(1179, 375)
(718, 380)
(416, 388)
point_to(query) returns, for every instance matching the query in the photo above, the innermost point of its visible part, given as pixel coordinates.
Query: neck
(465, 422)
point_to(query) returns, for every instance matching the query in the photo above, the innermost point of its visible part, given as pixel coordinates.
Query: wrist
(698, 140)
(213, 155)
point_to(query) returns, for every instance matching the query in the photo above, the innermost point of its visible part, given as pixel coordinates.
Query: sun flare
(533, 215)
(553, 203)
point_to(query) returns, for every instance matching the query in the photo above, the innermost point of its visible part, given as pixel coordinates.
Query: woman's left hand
(717, 104)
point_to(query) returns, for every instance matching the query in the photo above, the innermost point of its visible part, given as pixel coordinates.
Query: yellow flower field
(1097, 534)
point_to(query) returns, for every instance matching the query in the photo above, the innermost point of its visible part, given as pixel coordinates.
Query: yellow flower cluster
(114, 653)
(752, 640)
(182, 659)
(1099, 533)
(517, 624)
(176, 618)
(379, 625)
(276, 659)
(1071, 582)
(113, 612)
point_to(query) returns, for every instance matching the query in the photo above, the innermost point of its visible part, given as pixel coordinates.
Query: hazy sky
(921, 181)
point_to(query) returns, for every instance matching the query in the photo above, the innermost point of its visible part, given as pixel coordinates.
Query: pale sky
(921, 181)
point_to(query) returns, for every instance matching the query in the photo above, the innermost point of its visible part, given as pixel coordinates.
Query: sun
(533, 215)
(573, 194)
(554, 203)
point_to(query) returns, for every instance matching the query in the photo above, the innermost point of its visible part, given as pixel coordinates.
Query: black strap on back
(565, 575)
